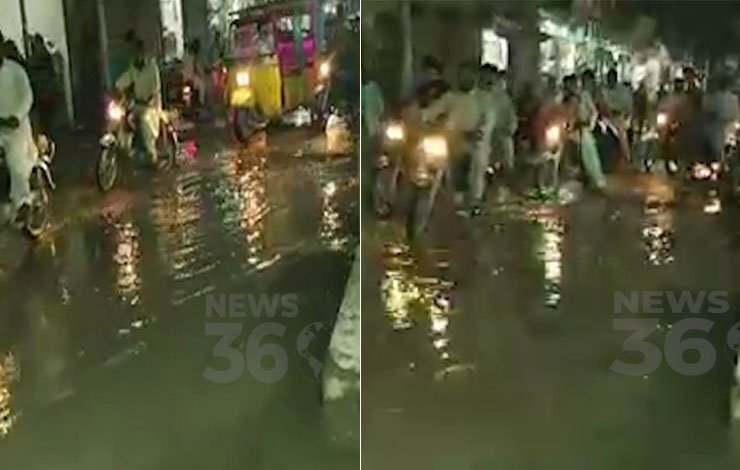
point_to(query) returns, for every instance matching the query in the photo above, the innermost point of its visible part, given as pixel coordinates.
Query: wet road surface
(490, 346)
(103, 342)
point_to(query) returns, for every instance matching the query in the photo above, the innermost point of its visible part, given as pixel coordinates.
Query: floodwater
(103, 343)
(491, 346)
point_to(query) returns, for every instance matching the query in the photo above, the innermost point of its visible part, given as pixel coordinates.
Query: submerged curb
(341, 373)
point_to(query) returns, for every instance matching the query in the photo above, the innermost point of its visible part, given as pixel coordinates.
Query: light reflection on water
(549, 250)
(331, 225)
(713, 206)
(127, 260)
(10, 372)
(658, 233)
(242, 196)
(409, 299)
(176, 213)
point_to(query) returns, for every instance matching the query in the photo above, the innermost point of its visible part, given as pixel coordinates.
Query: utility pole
(407, 70)
(24, 27)
(103, 33)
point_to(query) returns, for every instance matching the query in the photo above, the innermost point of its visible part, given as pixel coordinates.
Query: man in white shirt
(469, 113)
(506, 120)
(143, 77)
(16, 136)
(721, 110)
(587, 115)
(618, 101)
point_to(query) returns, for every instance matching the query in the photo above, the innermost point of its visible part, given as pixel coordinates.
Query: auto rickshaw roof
(267, 12)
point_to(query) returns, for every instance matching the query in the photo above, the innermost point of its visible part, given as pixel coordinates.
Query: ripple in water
(178, 216)
(242, 199)
(549, 250)
(658, 233)
(126, 259)
(10, 372)
(408, 297)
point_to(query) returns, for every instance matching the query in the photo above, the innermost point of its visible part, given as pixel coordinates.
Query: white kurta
(147, 87)
(16, 100)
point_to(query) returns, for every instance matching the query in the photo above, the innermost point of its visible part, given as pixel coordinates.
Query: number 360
(675, 347)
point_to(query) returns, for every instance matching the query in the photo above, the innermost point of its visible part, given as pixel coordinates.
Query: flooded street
(492, 345)
(103, 342)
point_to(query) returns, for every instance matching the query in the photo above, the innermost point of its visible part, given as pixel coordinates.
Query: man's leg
(20, 158)
(459, 176)
(590, 159)
(477, 176)
(149, 130)
(507, 147)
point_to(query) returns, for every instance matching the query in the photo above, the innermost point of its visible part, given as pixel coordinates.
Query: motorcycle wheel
(37, 218)
(419, 210)
(107, 169)
(243, 125)
(382, 201)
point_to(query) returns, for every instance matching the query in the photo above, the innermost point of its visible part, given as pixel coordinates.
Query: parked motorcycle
(34, 218)
(120, 141)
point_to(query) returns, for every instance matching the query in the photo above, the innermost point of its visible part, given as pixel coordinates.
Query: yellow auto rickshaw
(274, 65)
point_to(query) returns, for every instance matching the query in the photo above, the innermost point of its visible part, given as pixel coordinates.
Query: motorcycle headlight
(701, 171)
(242, 78)
(394, 132)
(435, 146)
(325, 69)
(662, 119)
(115, 111)
(552, 136)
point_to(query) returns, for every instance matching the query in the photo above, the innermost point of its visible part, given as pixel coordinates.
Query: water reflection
(10, 373)
(713, 206)
(658, 233)
(127, 260)
(409, 298)
(549, 250)
(177, 214)
(331, 223)
(243, 199)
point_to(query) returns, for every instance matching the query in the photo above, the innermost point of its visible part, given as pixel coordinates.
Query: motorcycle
(119, 141)
(388, 169)
(322, 92)
(547, 163)
(189, 100)
(429, 162)
(34, 218)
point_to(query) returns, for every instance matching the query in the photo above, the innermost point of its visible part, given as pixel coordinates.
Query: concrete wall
(10, 21)
(195, 21)
(143, 17)
(46, 17)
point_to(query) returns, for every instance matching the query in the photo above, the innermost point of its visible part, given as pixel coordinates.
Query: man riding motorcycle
(616, 111)
(721, 111)
(143, 80)
(469, 124)
(16, 136)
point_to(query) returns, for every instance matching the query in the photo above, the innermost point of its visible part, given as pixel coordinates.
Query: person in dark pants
(45, 86)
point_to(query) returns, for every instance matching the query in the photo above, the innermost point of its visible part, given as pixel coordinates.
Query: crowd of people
(601, 121)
